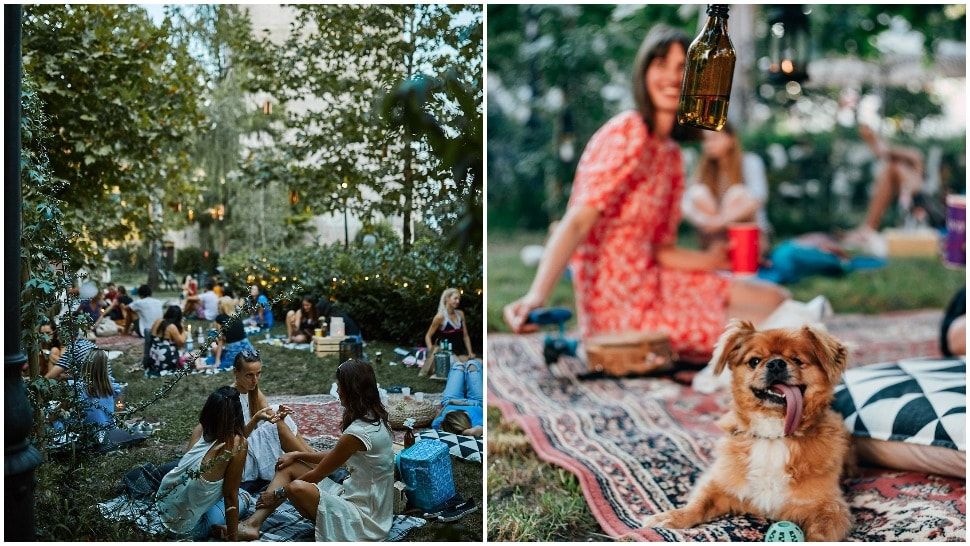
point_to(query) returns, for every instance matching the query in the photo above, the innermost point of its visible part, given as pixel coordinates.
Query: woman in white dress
(270, 431)
(203, 490)
(362, 507)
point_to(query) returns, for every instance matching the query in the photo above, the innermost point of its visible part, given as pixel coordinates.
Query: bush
(392, 293)
(192, 260)
(383, 231)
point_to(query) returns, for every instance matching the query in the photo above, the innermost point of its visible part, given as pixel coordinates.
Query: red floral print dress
(635, 180)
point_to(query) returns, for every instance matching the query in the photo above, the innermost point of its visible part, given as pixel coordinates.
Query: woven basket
(630, 353)
(399, 411)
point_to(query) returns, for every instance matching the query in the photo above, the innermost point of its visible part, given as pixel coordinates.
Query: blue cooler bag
(425, 468)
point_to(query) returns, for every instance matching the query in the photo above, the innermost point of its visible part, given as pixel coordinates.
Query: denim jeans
(464, 385)
(216, 515)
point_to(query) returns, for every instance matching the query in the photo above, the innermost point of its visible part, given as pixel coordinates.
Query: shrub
(392, 293)
(383, 231)
(193, 260)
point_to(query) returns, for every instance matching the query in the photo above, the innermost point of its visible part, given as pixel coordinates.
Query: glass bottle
(706, 90)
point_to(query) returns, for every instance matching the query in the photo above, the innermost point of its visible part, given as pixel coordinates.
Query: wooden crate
(326, 346)
(909, 243)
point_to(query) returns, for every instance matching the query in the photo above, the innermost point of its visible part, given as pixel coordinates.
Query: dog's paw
(659, 520)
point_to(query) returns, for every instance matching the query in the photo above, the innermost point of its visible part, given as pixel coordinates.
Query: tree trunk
(408, 191)
(408, 173)
(154, 259)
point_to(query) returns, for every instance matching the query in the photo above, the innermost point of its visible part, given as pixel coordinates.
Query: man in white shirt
(210, 302)
(149, 310)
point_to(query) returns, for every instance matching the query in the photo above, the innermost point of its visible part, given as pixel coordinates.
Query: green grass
(911, 283)
(67, 495)
(530, 500)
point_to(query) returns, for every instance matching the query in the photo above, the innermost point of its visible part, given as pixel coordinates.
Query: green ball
(784, 531)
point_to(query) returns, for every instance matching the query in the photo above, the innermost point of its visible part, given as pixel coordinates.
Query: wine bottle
(706, 90)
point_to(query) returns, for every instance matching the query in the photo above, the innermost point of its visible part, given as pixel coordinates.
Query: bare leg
(305, 497)
(290, 324)
(249, 529)
(754, 300)
(886, 186)
(957, 336)
(289, 441)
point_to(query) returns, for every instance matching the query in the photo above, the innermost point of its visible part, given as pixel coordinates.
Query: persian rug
(318, 418)
(638, 446)
(888, 337)
(119, 342)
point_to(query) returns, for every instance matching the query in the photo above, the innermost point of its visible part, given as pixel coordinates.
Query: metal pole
(20, 458)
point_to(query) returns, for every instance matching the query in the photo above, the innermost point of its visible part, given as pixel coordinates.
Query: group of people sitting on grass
(241, 440)
(316, 314)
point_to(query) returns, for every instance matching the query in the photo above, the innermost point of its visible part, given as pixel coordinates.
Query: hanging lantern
(294, 197)
(788, 44)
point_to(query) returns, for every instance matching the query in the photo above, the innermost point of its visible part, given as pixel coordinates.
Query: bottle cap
(718, 10)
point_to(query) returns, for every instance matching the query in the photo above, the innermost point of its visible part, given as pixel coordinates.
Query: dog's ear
(737, 332)
(830, 353)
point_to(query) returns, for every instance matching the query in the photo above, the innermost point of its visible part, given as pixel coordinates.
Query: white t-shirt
(149, 310)
(210, 304)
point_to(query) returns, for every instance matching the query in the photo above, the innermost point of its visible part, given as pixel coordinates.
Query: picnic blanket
(638, 447)
(119, 342)
(318, 416)
(284, 525)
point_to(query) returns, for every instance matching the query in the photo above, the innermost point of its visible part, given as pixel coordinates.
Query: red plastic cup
(743, 248)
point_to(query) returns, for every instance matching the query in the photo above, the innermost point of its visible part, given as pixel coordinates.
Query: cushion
(918, 402)
(468, 448)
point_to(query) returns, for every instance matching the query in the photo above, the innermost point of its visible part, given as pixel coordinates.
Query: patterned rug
(638, 445)
(318, 418)
(119, 343)
(888, 337)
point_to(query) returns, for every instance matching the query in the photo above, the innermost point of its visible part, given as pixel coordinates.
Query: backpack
(142, 482)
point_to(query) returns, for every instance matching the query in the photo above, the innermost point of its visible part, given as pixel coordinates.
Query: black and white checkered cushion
(918, 401)
(463, 447)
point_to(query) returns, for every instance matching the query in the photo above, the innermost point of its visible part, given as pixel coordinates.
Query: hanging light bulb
(788, 44)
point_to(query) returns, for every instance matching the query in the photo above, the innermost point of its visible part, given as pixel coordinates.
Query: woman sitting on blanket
(360, 509)
(232, 335)
(301, 323)
(461, 403)
(203, 490)
(167, 337)
(269, 431)
(448, 325)
(96, 393)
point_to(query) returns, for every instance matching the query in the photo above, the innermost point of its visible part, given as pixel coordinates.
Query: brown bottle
(706, 89)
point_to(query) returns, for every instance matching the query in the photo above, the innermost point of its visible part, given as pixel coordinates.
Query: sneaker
(449, 505)
(821, 307)
(867, 241)
(459, 511)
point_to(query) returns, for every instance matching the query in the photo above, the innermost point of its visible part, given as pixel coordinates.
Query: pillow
(917, 402)
(468, 448)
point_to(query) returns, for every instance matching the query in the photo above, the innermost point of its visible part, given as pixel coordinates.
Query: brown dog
(784, 449)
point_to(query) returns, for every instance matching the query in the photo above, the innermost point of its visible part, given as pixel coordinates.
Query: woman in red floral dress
(620, 228)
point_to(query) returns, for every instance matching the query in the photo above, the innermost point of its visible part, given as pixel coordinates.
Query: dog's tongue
(793, 405)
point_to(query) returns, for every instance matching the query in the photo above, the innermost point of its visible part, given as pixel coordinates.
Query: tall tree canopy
(122, 105)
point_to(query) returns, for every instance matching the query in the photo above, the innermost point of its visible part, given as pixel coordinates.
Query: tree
(342, 153)
(122, 105)
(221, 39)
